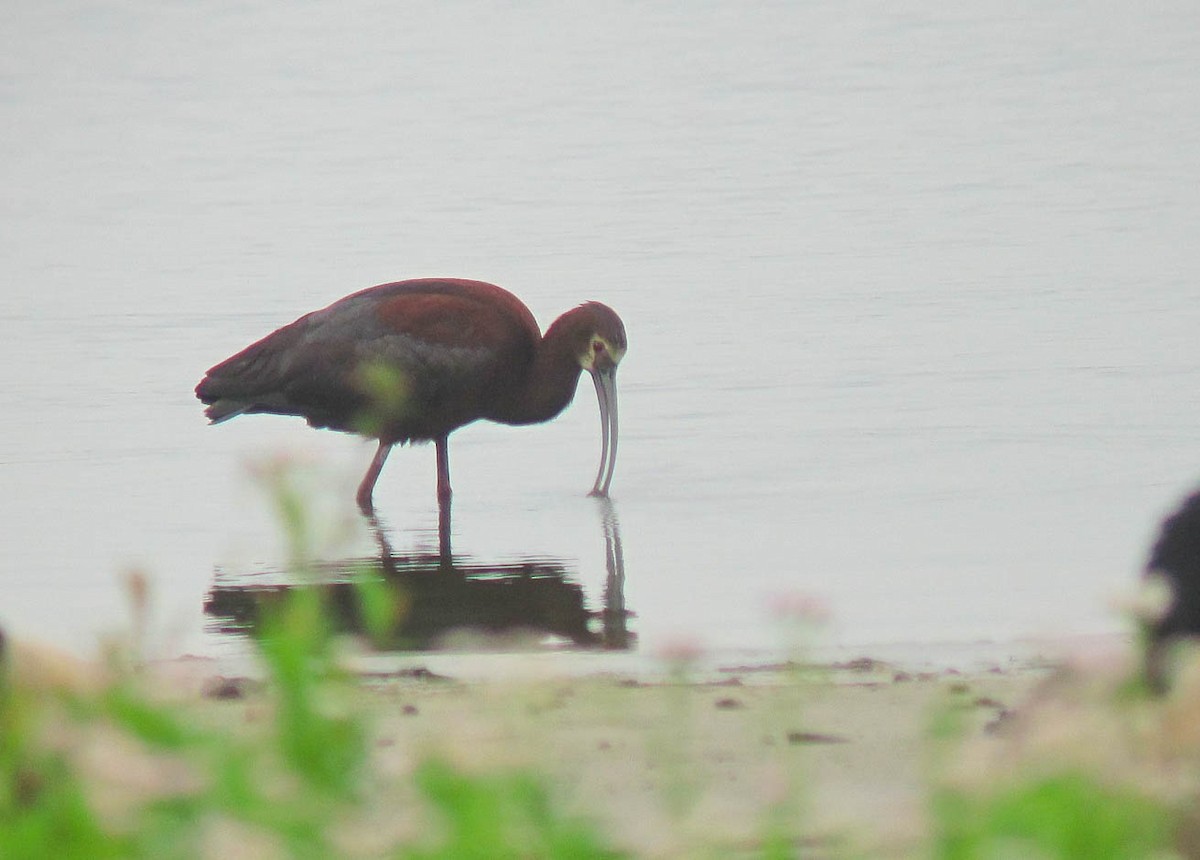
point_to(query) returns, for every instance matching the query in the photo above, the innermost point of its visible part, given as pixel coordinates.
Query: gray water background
(911, 292)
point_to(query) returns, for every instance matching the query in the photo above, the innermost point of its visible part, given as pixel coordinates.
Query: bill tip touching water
(414, 360)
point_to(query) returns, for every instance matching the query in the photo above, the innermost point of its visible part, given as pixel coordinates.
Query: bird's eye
(598, 346)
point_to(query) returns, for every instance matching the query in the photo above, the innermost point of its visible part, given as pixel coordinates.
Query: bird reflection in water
(613, 616)
(441, 595)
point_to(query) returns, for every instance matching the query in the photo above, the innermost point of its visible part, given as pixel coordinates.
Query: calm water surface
(911, 298)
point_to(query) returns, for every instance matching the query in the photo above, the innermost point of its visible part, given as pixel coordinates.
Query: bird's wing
(420, 357)
(437, 359)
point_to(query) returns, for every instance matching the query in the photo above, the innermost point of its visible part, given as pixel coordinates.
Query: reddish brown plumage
(415, 360)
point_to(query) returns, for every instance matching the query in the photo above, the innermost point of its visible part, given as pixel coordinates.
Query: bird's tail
(219, 406)
(223, 410)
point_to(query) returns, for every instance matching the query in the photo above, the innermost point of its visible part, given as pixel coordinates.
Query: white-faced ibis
(415, 360)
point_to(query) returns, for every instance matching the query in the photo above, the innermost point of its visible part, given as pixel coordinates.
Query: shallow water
(910, 298)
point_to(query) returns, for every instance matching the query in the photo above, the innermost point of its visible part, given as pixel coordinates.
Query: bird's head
(599, 354)
(594, 336)
(605, 344)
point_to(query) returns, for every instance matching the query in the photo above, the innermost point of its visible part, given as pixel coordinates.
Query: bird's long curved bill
(606, 395)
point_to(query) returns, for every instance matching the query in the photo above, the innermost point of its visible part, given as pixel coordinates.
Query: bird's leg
(443, 494)
(367, 487)
(443, 467)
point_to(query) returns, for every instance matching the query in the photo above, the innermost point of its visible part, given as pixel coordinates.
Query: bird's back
(407, 360)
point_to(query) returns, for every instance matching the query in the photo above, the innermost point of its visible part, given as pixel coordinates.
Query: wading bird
(415, 360)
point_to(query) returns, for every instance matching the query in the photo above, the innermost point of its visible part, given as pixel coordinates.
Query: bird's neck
(550, 384)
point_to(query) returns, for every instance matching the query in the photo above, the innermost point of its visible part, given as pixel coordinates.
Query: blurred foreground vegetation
(96, 762)
(112, 767)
